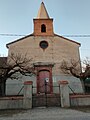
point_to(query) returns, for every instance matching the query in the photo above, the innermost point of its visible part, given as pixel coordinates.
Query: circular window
(43, 44)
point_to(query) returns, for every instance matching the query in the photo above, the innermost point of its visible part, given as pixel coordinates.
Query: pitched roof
(33, 35)
(18, 40)
(67, 39)
(42, 13)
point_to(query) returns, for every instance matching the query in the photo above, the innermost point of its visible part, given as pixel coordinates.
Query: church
(47, 50)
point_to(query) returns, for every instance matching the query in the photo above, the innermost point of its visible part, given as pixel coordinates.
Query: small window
(43, 28)
(43, 44)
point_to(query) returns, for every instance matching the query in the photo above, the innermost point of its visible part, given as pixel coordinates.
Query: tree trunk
(83, 85)
(3, 87)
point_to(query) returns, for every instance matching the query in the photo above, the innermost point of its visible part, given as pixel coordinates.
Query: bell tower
(43, 25)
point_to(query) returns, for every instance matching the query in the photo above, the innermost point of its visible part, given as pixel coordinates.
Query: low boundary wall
(11, 102)
(68, 100)
(25, 101)
(80, 100)
(18, 102)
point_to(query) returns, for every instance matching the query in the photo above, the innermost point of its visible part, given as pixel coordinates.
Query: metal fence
(45, 98)
(15, 89)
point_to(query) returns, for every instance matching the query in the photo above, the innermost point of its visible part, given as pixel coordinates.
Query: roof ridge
(68, 39)
(19, 39)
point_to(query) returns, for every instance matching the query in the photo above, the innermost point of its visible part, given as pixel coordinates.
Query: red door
(44, 81)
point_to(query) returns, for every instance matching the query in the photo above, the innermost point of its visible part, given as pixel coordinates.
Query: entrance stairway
(42, 99)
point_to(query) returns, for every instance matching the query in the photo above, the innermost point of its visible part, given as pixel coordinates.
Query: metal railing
(14, 89)
(44, 98)
(71, 89)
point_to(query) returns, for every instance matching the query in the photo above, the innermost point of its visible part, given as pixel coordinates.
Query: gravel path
(48, 114)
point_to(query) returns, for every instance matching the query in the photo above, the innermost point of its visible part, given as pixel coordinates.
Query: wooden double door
(44, 80)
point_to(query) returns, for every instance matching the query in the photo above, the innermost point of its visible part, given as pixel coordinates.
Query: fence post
(27, 100)
(64, 93)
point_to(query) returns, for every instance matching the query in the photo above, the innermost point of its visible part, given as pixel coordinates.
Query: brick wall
(49, 27)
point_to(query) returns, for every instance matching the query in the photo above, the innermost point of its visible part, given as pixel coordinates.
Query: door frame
(39, 68)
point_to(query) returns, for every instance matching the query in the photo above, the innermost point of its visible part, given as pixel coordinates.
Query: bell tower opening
(43, 28)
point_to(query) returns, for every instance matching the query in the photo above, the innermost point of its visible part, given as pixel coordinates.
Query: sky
(71, 17)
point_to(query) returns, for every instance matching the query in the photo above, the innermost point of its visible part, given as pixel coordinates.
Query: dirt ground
(12, 112)
(50, 113)
(82, 108)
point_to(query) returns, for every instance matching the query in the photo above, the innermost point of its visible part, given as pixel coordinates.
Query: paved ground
(46, 114)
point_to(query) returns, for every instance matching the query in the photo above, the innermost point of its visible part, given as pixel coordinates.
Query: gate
(45, 98)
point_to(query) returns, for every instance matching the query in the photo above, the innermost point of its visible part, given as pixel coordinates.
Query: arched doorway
(44, 81)
(44, 78)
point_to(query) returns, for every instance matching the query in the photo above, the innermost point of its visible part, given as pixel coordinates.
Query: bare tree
(74, 68)
(14, 64)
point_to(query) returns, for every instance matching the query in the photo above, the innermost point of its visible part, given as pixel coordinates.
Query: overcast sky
(71, 17)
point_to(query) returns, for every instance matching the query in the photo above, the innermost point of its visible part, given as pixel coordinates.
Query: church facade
(47, 51)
